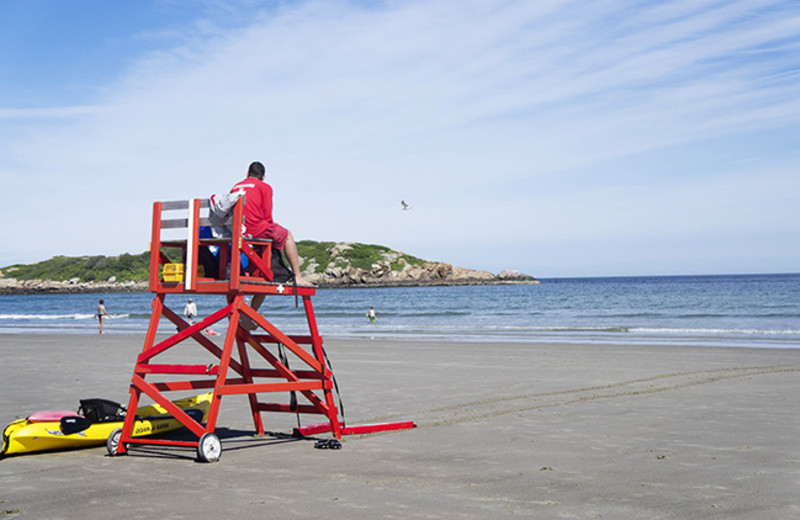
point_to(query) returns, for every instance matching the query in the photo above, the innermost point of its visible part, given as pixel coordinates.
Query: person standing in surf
(101, 316)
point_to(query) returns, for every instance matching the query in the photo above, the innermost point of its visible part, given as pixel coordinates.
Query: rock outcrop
(395, 270)
(392, 269)
(14, 286)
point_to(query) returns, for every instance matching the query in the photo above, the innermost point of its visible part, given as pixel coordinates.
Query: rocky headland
(342, 268)
(394, 269)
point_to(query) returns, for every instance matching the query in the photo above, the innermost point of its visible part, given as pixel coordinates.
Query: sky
(557, 138)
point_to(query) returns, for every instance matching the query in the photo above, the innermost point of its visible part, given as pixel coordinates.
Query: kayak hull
(26, 436)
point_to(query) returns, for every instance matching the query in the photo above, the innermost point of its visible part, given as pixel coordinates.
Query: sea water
(726, 310)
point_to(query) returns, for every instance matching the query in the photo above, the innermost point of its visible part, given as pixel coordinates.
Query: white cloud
(353, 108)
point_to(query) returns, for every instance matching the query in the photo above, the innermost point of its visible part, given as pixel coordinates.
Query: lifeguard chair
(231, 370)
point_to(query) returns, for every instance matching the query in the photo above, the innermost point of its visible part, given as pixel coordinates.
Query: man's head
(256, 170)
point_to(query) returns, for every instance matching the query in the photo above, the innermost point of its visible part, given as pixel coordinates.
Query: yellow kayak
(97, 418)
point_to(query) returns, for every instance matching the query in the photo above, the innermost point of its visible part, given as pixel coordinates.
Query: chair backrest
(183, 205)
(184, 219)
(181, 221)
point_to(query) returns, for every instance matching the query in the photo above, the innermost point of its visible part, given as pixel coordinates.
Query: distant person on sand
(101, 316)
(190, 311)
(371, 315)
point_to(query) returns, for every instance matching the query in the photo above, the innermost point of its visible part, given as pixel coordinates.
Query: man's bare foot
(302, 281)
(247, 324)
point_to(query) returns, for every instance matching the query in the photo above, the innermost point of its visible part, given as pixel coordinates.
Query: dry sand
(504, 430)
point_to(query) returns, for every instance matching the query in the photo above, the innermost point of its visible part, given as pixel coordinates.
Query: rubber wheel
(112, 443)
(209, 448)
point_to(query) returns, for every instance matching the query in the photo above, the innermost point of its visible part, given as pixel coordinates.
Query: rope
(335, 385)
(292, 394)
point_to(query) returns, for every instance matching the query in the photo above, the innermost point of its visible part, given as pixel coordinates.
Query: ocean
(724, 310)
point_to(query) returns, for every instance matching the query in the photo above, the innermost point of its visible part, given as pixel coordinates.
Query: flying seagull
(406, 207)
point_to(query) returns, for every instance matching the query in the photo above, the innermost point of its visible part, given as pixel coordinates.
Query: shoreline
(537, 430)
(596, 342)
(52, 287)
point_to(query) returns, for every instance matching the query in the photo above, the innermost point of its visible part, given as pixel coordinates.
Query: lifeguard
(258, 221)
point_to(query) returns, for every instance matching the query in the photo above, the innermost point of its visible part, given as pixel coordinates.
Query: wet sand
(504, 430)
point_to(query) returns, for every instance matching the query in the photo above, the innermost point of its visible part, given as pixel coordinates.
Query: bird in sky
(406, 207)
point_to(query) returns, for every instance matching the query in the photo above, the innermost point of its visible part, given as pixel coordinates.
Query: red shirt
(257, 207)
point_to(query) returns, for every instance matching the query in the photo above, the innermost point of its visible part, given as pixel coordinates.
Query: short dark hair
(256, 170)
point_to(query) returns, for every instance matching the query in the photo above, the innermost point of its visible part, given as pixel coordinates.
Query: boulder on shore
(74, 285)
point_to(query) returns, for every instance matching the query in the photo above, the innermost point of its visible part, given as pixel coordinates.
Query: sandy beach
(527, 430)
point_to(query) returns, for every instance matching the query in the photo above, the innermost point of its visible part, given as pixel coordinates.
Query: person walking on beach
(190, 311)
(371, 315)
(101, 316)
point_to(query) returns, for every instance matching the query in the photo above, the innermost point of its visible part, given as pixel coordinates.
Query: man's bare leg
(246, 322)
(290, 248)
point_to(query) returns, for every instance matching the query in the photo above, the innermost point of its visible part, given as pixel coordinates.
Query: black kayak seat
(101, 410)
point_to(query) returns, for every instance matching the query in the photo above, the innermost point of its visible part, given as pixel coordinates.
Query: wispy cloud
(354, 108)
(48, 113)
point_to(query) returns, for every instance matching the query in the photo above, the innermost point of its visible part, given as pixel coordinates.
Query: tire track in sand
(497, 406)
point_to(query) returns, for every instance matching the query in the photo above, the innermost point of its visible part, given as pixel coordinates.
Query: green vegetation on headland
(316, 257)
(325, 264)
(122, 268)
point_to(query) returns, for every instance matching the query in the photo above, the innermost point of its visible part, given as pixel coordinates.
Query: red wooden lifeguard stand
(231, 370)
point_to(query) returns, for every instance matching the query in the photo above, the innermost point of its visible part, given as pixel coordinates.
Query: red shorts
(277, 233)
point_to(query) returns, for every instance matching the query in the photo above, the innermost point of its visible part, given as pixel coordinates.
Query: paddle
(74, 424)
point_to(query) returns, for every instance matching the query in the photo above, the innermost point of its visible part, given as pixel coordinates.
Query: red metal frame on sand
(231, 370)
